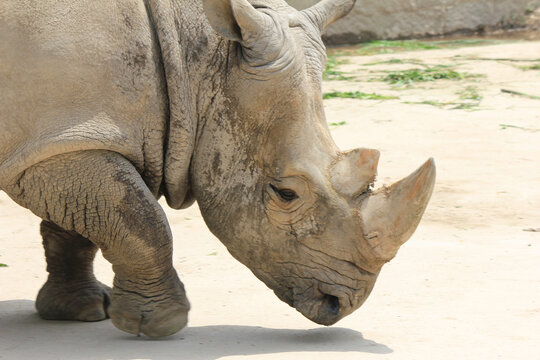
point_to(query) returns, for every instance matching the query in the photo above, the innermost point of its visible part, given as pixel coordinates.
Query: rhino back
(77, 75)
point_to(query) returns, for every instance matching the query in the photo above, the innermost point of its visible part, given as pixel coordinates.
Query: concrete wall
(395, 19)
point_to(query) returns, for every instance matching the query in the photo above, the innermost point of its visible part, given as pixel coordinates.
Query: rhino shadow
(23, 335)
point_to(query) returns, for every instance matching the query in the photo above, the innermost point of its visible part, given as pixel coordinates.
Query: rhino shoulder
(79, 75)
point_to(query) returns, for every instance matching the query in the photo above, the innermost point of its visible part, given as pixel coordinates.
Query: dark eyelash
(285, 194)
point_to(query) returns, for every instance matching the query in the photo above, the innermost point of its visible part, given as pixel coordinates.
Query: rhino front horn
(391, 214)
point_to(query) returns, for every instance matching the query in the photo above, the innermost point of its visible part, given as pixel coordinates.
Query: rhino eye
(285, 194)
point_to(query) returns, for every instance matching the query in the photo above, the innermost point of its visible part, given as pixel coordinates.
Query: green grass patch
(522, 94)
(357, 95)
(411, 76)
(3, 265)
(395, 46)
(531, 67)
(459, 43)
(330, 69)
(435, 103)
(336, 124)
(397, 61)
(405, 77)
(450, 105)
(470, 93)
(507, 126)
(390, 47)
(469, 106)
(391, 61)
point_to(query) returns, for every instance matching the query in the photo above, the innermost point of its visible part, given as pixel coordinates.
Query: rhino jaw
(391, 214)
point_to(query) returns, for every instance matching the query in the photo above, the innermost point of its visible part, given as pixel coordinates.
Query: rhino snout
(326, 304)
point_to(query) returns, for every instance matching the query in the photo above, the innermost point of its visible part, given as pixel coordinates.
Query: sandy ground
(466, 286)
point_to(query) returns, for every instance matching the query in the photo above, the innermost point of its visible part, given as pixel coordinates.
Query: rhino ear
(236, 20)
(326, 12)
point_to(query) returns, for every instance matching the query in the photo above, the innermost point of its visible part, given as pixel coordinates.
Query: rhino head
(271, 183)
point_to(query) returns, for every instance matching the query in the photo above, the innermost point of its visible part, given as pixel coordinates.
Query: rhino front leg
(71, 291)
(101, 196)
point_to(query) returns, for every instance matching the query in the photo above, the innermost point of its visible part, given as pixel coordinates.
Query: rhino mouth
(317, 306)
(324, 309)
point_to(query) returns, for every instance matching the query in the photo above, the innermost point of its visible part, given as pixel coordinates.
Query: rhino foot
(157, 312)
(82, 301)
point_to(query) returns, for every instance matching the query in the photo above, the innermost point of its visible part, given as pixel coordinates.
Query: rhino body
(80, 76)
(106, 106)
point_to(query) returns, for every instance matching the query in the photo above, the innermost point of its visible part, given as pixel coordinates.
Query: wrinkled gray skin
(105, 106)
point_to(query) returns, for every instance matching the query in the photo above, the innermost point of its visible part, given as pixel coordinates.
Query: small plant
(470, 93)
(396, 61)
(531, 67)
(388, 47)
(439, 72)
(407, 77)
(507, 126)
(357, 95)
(336, 124)
(454, 44)
(465, 106)
(330, 72)
(435, 103)
(391, 61)
(531, 7)
(394, 46)
(518, 93)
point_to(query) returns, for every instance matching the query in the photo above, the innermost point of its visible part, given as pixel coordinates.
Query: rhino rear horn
(353, 173)
(235, 20)
(326, 12)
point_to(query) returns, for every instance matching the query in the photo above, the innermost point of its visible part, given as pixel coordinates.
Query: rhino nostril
(332, 304)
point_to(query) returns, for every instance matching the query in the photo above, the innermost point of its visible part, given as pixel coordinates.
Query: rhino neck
(193, 59)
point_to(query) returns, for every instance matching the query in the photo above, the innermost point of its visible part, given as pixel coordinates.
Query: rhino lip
(323, 308)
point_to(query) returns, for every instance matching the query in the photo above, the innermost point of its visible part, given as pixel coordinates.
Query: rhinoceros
(105, 106)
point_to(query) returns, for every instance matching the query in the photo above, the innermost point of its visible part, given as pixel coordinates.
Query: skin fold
(107, 106)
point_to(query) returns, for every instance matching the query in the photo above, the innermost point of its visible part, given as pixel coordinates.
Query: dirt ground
(466, 286)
